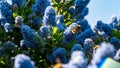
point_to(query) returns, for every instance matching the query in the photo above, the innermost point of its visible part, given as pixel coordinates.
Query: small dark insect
(76, 29)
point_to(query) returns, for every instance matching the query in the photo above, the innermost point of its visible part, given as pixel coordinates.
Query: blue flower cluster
(105, 50)
(6, 12)
(36, 21)
(115, 41)
(88, 33)
(8, 27)
(69, 36)
(2, 51)
(19, 3)
(104, 27)
(28, 35)
(45, 30)
(84, 24)
(76, 47)
(27, 32)
(88, 46)
(60, 22)
(58, 53)
(10, 45)
(49, 17)
(80, 8)
(114, 22)
(40, 6)
(23, 61)
(117, 56)
(78, 60)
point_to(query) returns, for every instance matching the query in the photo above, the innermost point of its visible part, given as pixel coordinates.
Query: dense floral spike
(49, 17)
(61, 54)
(23, 61)
(40, 6)
(19, 21)
(80, 8)
(88, 33)
(45, 30)
(107, 29)
(78, 60)
(118, 25)
(27, 32)
(23, 44)
(105, 50)
(60, 22)
(85, 12)
(117, 56)
(37, 21)
(114, 21)
(19, 2)
(81, 2)
(116, 42)
(76, 47)
(2, 51)
(98, 26)
(88, 46)
(8, 27)
(28, 35)
(104, 36)
(72, 10)
(69, 35)
(10, 45)
(104, 27)
(84, 24)
(6, 12)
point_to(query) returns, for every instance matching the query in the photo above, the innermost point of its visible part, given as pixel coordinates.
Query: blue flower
(88, 46)
(104, 36)
(114, 22)
(23, 61)
(98, 26)
(60, 22)
(69, 36)
(104, 27)
(72, 10)
(23, 44)
(2, 51)
(105, 50)
(84, 24)
(28, 35)
(19, 21)
(10, 45)
(45, 31)
(61, 54)
(8, 27)
(49, 17)
(37, 21)
(6, 12)
(80, 6)
(19, 2)
(85, 11)
(115, 41)
(88, 33)
(107, 29)
(117, 56)
(77, 60)
(76, 47)
(40, 6)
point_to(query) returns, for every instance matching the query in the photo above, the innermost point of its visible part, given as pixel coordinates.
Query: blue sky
(102, 10)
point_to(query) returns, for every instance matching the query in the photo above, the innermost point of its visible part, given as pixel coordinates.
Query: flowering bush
(42, 33)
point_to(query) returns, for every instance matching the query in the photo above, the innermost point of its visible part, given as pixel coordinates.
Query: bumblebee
(96, 47)
(76, 29)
